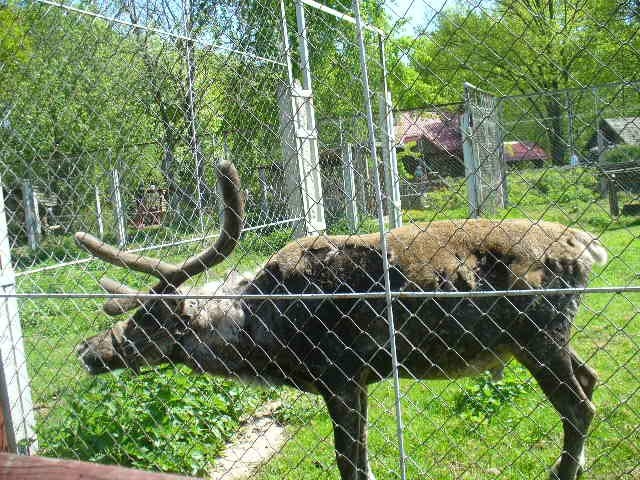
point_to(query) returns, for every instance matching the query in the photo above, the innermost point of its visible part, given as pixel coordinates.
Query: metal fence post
(302, 164)
(390, 162)
(383, 239)
(15, 390)
(470, 167)
(99, 214)
(265, 191)
(351, 195)
(118, 209)
(196, 148)
(31, 215)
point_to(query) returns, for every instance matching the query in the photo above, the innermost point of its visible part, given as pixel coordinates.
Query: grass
(467, 429)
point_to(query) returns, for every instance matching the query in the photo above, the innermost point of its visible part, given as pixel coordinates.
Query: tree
(529, 46)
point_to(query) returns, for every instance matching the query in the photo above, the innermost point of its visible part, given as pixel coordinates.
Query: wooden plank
(4, 441)
(18, 467)
(302, 162)
(614, 207)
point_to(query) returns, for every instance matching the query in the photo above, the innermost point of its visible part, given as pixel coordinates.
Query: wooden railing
(17, 467)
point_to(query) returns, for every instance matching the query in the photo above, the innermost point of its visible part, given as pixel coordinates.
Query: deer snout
(98, 355)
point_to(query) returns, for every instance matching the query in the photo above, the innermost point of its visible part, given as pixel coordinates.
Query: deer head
(151, 335)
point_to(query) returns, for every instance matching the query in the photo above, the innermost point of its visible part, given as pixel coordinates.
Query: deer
(337, 346)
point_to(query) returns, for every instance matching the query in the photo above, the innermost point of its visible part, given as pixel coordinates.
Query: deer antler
(172, 275)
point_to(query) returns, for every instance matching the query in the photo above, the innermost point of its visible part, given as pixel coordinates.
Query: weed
(484, 397)
(171, 420)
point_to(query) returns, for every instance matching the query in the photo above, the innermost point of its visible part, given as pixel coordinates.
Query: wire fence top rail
(177, 243)
(160, 31)
(338, 296)
(343, 16)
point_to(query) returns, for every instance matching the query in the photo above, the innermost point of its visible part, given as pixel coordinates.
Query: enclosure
(342, 119)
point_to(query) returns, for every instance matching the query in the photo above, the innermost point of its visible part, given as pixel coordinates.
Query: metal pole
(392, 190)
(121, 223)
(15, 392)
(471, 168)
(285, 42)
(383, 237)
(305, 66)
(99, 214)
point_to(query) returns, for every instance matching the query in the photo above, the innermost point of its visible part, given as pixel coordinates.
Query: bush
(535, 187)
(53, 249)
(622, 153)
(484, 398)
(266, 242)
(341, 227)
(172, 421)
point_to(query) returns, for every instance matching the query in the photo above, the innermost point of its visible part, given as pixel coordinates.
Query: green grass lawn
(468, 429)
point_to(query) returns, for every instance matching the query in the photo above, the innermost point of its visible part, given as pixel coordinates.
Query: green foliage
(408, 157)
(535, 186)
(298, 408)
(266, 243)
(526, 188)
(173, 421)
(342, 227)
(484, 398)
(622, 153)
(52, 248)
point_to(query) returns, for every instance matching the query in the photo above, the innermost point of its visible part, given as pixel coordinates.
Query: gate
(482, 148)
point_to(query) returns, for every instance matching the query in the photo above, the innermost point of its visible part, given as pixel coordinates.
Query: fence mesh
(452, 347)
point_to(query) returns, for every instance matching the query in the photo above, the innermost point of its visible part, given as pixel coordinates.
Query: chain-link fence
(398, 280)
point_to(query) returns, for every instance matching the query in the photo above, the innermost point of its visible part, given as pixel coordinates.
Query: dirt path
(255, 443)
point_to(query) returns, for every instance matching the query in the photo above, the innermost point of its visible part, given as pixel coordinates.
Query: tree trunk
(555, 129)
(168, 170)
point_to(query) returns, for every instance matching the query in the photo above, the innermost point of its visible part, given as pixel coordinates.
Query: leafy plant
(622, 153)
(170, 421)
(484, 398)
(266, 243)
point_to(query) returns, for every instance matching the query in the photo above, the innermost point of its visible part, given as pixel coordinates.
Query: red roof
(442, 129)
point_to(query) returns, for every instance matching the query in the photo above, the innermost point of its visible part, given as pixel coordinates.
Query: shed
(439, 141)
(615, 131)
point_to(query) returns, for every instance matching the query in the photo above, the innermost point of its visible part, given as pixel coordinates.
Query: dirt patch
(260, 437)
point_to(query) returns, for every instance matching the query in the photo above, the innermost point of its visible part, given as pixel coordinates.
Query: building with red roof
(439, 141)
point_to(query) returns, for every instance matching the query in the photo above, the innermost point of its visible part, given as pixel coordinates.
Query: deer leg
(552, 367)
(586, 375)
(588, 379)
(348, 410)
(363, 456)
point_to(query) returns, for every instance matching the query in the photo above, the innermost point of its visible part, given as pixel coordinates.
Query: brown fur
(428, 252)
